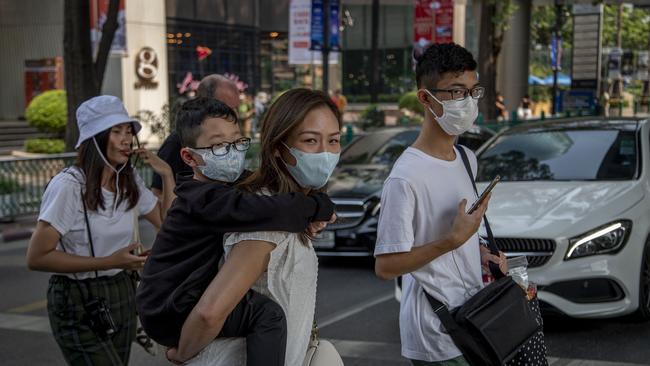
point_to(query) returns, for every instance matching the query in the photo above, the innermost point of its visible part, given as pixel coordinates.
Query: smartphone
(484, 194)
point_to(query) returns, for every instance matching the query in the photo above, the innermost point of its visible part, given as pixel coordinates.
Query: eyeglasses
(462, 93)
(223, 148)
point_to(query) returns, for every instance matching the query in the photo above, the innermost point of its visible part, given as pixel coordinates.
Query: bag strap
(494, 249)
(90, 236)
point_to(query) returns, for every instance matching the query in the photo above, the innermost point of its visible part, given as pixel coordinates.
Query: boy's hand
(465, 225)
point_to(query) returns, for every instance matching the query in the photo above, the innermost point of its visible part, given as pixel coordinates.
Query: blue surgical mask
(226, 168)
(312, 170)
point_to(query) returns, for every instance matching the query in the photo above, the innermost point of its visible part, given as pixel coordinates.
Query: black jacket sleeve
(230, 210)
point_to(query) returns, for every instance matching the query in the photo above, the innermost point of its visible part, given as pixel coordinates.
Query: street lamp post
(555, 48)
(326, 45)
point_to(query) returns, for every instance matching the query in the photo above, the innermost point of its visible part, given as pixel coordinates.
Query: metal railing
(23, 181)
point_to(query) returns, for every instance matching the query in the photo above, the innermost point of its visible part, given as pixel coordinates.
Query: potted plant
(8, 189)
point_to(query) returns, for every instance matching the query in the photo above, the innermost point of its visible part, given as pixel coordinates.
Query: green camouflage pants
(78, 342)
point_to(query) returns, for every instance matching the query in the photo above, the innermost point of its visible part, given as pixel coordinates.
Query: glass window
(580, 154)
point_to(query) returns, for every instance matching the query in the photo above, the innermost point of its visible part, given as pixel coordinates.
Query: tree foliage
(543, 23)
(635, 27)
(48, 111)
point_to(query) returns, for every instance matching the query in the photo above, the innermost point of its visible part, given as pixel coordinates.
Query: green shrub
(8, 185)
(406, 120)
(48, 111)
(618, 103)
(410, 101)
(45, 146)
(372, 116)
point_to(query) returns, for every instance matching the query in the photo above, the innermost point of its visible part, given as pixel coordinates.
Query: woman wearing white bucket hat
(84, 235)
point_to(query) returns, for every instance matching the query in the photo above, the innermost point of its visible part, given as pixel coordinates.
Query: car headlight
(375, 209)
(606, 239)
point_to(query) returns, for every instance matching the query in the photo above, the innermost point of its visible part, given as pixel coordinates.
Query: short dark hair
(439, 59)
(193, 113)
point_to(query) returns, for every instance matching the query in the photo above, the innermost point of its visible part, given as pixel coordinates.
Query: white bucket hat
(99, 114)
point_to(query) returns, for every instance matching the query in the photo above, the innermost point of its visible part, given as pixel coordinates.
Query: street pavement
(355, 311)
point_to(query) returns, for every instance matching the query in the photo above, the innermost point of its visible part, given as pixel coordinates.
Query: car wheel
(643, 312)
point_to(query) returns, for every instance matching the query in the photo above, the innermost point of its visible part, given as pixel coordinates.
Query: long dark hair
(92, 165)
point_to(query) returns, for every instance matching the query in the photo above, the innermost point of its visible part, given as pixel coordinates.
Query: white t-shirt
(290, 281)
(62, 208)
(419, 203)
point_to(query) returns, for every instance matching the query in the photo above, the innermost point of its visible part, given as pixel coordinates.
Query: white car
(574, 197)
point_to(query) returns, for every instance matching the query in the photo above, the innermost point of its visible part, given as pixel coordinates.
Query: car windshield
(577, 154)
(378, 148)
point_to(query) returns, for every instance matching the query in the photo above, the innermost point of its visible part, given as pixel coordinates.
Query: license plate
(324, 240)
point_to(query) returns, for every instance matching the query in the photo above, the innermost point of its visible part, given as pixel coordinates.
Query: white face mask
(226, 168)
(458, 116)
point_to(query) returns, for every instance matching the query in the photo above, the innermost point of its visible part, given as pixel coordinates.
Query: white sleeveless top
(291, 282)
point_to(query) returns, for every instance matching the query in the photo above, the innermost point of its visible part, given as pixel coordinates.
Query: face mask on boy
(225, 168)
(312, 170)
(458, 116)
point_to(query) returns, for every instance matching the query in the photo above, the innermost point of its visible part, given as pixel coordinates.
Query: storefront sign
(146, 68)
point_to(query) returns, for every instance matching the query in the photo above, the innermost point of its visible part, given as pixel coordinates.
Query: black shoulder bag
(492, 325)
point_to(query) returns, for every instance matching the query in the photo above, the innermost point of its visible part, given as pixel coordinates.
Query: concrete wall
(145, 27)
(29, 29)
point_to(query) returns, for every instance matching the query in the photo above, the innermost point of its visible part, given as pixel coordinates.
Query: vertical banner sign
(627, 64)
(444, 21)
(614, 63)
(98, 15)
(335, 22)
(587, 45)
(642, 66)
(317, 25)
(299, 30)
(422, 25)
(556, 53)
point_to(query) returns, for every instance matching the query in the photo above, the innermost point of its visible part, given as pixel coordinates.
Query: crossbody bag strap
(494, 249)
(90, 236)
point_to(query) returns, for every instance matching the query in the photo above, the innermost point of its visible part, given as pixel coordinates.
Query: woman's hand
(157, 164)
(124, 259)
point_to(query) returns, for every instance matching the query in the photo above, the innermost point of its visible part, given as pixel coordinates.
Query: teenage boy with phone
(425, 234)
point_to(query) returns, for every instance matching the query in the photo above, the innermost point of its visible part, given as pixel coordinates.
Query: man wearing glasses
(424, 233)
(186, 254)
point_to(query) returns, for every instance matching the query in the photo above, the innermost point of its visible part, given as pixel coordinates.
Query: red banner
(423, 22)
(444, 21)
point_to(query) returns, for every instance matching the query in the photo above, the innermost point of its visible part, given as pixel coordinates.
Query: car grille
(537, 251)
(349, 212)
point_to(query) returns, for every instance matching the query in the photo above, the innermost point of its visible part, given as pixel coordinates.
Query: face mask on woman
(312, 170)
(458, 116)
